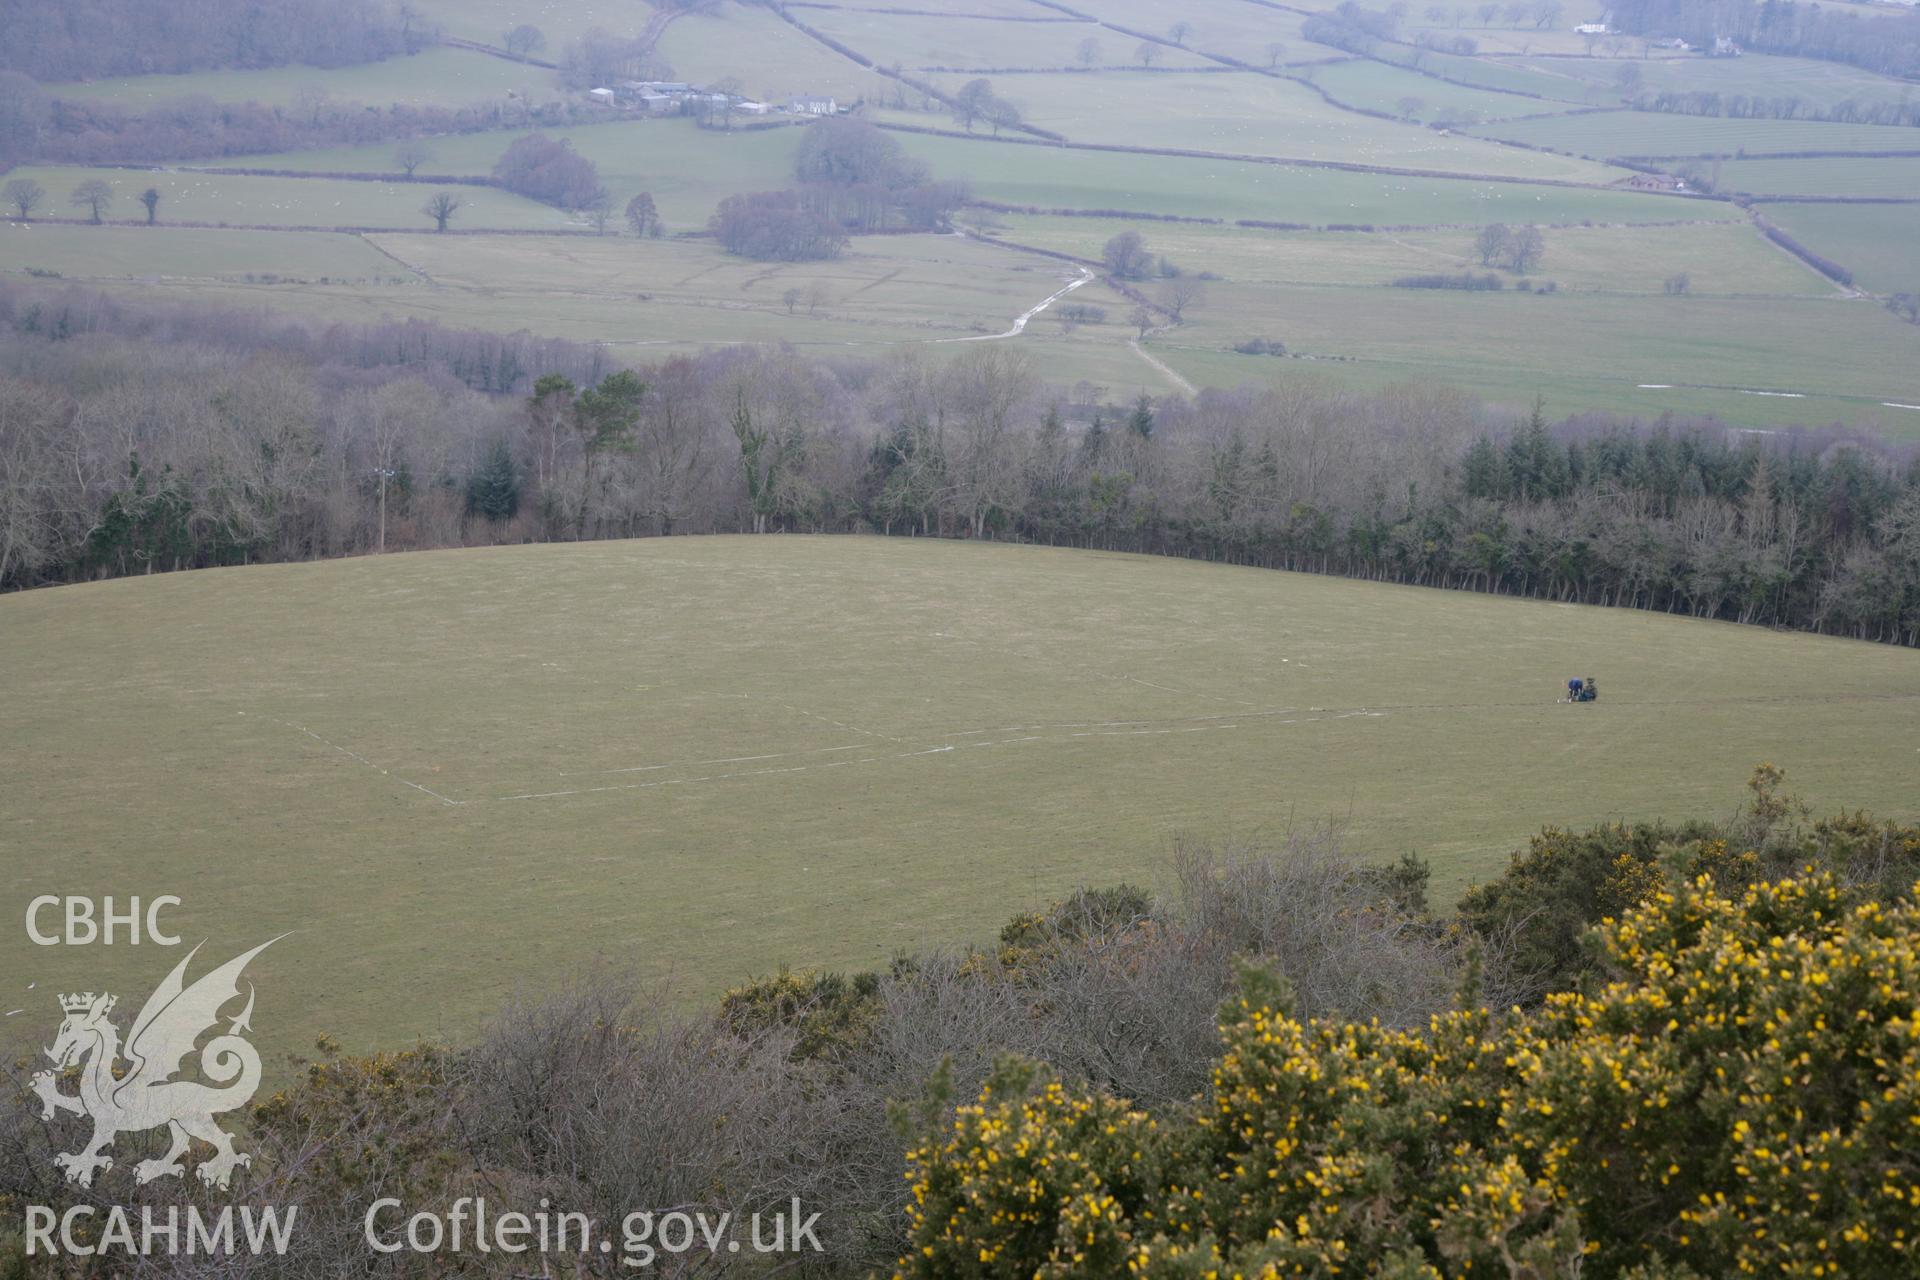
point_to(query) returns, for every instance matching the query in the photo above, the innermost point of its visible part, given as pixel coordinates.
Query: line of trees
(35, 125)
(140, 439)
(1741, 106)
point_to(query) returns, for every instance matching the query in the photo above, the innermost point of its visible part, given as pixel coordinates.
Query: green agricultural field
(1822, 84)
(217, 199)
(1377, 86)
(454, 775)
(1815, 359)
(1879, 243)
(1248, 114)
(887, 289)
(688, 169)
(647, 297)
(560, 21)
(1729, 258)
(1489, 73)
(1897, 176)
(1651, 133)
(1206, 188)
(100, 254)
(437, 77)
(1231, 27)
(769, 58)
(914, 41)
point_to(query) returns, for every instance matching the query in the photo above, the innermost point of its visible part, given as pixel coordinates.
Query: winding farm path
(1020, 324)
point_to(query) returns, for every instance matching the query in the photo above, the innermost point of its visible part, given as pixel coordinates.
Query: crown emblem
(82, 1003)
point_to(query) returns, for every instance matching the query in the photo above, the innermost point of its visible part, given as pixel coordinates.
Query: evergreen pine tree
(493, 492)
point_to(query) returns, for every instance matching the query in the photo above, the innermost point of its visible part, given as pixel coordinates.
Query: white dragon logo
(145, 1096)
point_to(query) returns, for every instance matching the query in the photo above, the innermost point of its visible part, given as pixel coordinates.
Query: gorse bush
(1742, 1096)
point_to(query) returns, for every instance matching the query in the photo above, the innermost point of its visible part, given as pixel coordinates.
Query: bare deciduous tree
(93, 195)
(1181, 292)
(441, 206)
(411, 155)
(25, 195)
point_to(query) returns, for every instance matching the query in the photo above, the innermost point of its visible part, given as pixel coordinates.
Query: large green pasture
(100, 254)
(647, 296)
(1489, 73)
(436, 77)
(1897, 176)
(1879, 243)
(1822, 84)
(1379, 86)
(688, 169)
(1728, 258)
(1051, 178)
(220, 199)
(1816, 359)
(1249, 114)
(914, 40)
(455, 775)
(560, 21)
(768, 57)
(1652, 133)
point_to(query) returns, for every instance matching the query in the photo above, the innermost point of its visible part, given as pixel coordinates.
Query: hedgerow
(1740, 1097)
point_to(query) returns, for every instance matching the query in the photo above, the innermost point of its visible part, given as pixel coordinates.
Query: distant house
(1651, 182)
(752, 108)
(1673, 42)
(809, 105)
(656, 103)
(1593, 29)
(604, 97)
(1724, 47)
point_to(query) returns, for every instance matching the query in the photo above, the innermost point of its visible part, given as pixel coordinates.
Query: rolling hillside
(455, 773)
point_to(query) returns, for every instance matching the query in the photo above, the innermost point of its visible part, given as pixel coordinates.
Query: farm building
(1651, 182)
(810, 105)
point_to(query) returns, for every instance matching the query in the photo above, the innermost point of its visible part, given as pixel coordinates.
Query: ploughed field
(453, 775)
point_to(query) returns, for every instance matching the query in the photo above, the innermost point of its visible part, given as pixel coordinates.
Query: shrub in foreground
(1741, 1096)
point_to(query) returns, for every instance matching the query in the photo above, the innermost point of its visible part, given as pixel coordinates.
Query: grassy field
(1879, 243)
(1206, 188)
(101, 254)
(1248, 114)
(437, 77)
(689, 170)
(1376, 86)
(1628, 353)
(454, 775)
(651, 297)
(292, 202)
(1650, 133)
(919, 41)
(1720, 258)
(1490, 73)
(1822, 84)
(560, 21)
(1825, 176)
(769, 58)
